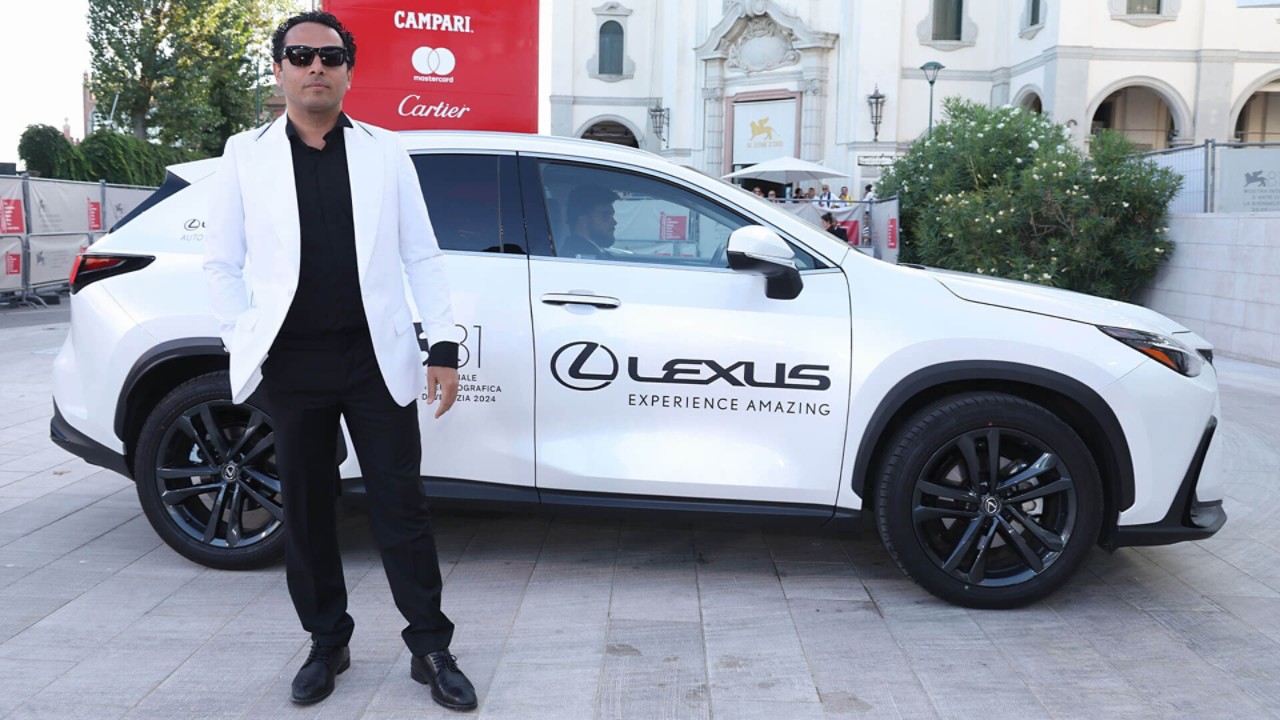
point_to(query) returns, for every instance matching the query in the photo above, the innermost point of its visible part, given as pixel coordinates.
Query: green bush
(1002, 191)
(104, 155)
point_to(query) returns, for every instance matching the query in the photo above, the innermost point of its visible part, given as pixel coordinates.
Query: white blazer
(252, 251)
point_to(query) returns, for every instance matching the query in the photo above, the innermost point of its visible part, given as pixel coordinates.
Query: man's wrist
(443, 354)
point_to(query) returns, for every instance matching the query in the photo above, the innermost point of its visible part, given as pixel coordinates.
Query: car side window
(606, 214)
(473, 201)
(610, 214)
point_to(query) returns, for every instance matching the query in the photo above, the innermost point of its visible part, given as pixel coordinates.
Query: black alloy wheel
(989, 500)
(207, 479)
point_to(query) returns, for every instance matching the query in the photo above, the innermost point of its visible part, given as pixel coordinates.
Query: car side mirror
(757, 250)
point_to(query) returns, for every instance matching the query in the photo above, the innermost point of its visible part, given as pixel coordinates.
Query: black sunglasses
(302, 55)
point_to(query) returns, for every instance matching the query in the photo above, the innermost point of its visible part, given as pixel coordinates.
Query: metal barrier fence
(1224, 177)
(45, 224)
(871, 226)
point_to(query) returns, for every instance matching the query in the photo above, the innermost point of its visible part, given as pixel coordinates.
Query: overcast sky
(46, 56)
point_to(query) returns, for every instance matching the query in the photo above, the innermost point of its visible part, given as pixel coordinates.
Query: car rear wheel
(206, 477)
(988, 500)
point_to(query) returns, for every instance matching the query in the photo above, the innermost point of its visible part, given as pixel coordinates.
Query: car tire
(206, 476)
(979, 543)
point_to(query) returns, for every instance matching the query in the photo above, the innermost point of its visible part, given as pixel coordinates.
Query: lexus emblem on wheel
(568, 366)
(990, 505)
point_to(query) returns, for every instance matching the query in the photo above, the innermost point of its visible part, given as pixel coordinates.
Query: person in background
(757, 191)
(811, 195)
(825, 198)
(845, 198)
(773, 196)
(829, 224)
(868, 197)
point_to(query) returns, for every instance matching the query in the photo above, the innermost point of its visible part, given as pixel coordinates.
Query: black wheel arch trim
(1119, 475)
(153, 358)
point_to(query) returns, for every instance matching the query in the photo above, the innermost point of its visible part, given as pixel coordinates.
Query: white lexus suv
(719, 358)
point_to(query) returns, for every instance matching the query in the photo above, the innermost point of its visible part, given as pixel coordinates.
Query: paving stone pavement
(572, 619)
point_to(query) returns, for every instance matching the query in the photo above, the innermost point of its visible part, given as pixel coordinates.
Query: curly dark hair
(315, 16)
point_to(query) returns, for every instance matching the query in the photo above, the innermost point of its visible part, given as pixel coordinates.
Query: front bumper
(1188, 518)
(77, 443)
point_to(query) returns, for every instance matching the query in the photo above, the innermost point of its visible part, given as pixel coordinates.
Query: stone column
(1000, 88)
(713, 101)
(1211, 116)
(1066, 80)
(811, 136)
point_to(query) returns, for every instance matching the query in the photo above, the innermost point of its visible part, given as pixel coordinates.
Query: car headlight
(1170, 352)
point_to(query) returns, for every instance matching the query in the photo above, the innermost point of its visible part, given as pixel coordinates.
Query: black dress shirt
(328, 297)
(328, 300)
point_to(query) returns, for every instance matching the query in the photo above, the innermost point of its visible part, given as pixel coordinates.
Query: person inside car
(591, 223)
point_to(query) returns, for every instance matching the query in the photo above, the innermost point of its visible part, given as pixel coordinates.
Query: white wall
(1223, 282)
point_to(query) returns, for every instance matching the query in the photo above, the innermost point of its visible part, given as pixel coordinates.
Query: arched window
(610, 48)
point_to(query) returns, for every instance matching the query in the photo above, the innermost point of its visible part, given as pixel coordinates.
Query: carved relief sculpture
(763, 45)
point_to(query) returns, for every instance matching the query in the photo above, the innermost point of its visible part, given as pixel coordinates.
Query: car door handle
(573, 298)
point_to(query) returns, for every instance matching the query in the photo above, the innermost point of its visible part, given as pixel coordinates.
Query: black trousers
(308, 382)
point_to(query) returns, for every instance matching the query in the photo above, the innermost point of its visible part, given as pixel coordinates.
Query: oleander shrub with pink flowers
(1003, 192)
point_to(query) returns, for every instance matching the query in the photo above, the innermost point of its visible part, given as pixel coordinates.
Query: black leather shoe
(449, 687)
(314, 682)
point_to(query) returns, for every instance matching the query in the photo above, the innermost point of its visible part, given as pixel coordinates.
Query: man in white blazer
(314, 223)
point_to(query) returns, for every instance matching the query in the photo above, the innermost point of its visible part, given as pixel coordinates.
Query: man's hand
(445, 381)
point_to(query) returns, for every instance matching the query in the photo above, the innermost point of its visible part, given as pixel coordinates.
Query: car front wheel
(988, 500)
(206, 477)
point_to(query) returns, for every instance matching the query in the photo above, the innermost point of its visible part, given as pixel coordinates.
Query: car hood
(1054, 302)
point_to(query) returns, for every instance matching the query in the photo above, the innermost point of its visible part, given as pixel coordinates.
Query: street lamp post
(931, 69)
(660, 119)
(876, 102)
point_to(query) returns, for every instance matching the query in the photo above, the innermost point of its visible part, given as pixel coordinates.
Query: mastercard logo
(433, 61)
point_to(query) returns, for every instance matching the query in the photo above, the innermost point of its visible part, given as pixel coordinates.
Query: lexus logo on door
(584, 366)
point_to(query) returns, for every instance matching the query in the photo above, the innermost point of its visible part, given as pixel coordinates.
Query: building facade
(722, 84)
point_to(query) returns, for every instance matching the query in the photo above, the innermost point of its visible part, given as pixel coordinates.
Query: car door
(486, 440)
(661, 373)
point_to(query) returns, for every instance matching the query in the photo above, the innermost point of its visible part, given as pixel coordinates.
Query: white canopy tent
(786, 170)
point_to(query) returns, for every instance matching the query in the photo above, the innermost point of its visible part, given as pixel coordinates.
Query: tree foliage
(1001, 191)
(104, 155)
(47, 153)
(183, 71)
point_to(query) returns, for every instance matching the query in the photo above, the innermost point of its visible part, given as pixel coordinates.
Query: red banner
(11, 218)
(95, 215)
(447, 64)
(893, 233)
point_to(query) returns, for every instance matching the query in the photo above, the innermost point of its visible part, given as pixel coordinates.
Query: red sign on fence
(95, 215)
(673, 227)
(11, 217)
(461, 66)
(12, 264)
(893, 233)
